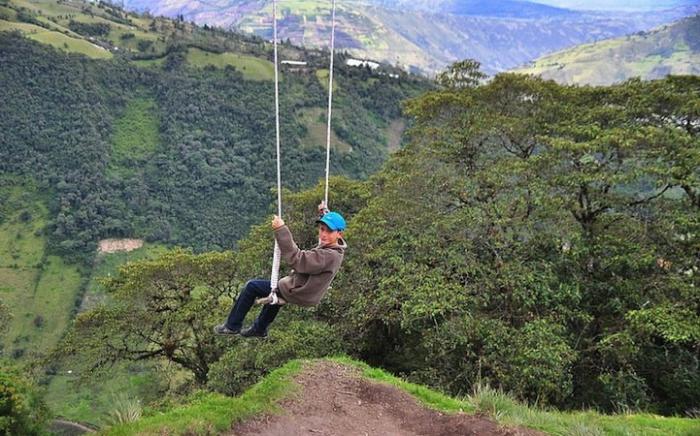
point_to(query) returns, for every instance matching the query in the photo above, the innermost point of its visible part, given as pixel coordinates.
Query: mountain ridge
(424, 37)
(669, 49)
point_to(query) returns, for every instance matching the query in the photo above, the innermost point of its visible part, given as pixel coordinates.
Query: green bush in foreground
(246, 363)
(22, 412)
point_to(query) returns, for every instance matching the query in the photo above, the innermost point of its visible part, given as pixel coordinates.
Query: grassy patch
(135, 134)
(56, 39)
(107, 264)
(40, 290)
(315, 120)
(42, 301)
(251, 67)
(54, 301)
(92, 402)
(73, 45)
(322, 76)
(210, 413)
(22, 220)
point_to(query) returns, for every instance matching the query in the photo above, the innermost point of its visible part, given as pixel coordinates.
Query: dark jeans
(253, 289)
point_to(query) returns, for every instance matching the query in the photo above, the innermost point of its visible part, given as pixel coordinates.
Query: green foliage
(462, 74)
(161, 308)
(247, 363)
(126, 410)
(22, 410)
(207, 413)
(5, 317)
(91, 29)
(183, 156)
(545, 255)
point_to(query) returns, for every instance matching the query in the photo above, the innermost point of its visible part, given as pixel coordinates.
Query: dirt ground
(334, 400)
(115, 245)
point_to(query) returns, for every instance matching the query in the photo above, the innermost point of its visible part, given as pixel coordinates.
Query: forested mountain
(672, 49)
(426, 35)
(181, 153)
(537, 238)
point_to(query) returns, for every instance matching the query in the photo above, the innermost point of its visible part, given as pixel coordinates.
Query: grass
(39, 290)
(56, 39)
(107, 264)
(322, 76)
(508, 411)
(135, 134)
(315, 120)
(209, 413)
(41, 300)
(251, 67)
(91, 403)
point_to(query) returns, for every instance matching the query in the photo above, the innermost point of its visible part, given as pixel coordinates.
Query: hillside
(672, 49)
(342, 396)
(121, 126)
(171, 113)
(425, 36)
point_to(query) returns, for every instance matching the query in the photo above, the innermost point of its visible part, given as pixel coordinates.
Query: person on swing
(312, 273)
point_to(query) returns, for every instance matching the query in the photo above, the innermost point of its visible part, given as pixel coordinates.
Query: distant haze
(427, 35)
(629, 5)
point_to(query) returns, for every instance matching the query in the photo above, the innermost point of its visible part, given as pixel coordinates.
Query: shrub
(248, 362)
(21, 409)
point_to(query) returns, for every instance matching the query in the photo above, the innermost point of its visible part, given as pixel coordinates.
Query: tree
(159, 309)
(22, 411)
(461, 74)
(526, 217)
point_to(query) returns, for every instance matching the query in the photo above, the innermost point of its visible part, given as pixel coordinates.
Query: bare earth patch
(115, 245)
(335, 400)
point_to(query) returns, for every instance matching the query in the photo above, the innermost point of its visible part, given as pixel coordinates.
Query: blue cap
(333, 220)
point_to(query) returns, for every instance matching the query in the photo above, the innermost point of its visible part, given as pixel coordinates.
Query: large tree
(158, 309)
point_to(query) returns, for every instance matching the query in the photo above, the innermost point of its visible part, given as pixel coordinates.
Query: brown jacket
(313, 269)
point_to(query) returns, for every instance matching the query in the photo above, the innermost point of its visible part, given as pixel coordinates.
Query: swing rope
(330, 101)
(274, 276)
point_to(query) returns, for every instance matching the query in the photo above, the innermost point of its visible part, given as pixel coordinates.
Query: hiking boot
(250, 332)
(221, 329)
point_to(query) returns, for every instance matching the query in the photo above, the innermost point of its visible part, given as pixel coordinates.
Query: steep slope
(425, 36)
(673, 49)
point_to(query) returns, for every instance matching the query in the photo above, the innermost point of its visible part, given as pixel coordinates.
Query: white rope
(274, 276)
(330, 101)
